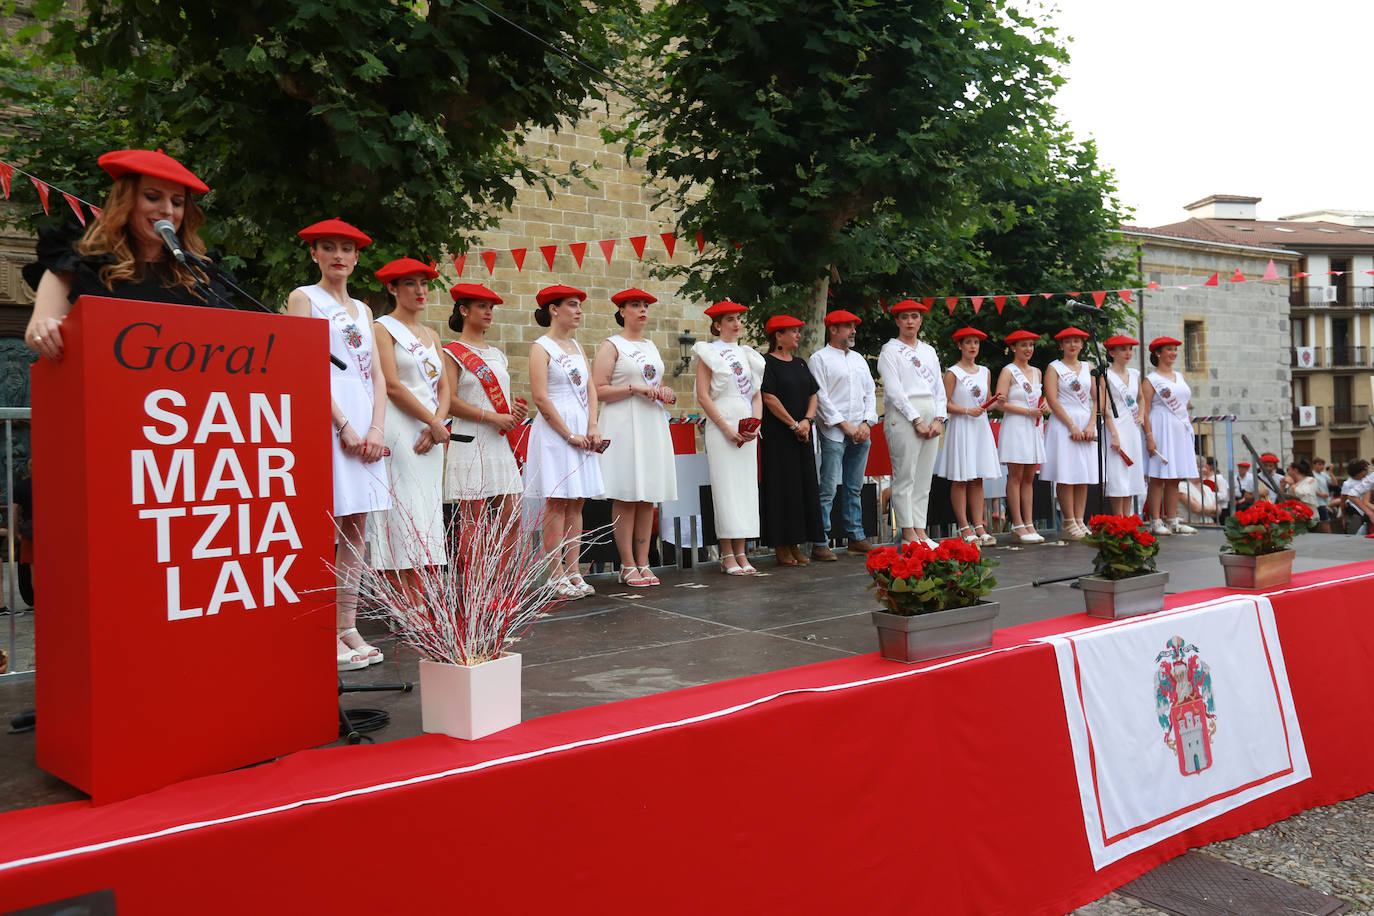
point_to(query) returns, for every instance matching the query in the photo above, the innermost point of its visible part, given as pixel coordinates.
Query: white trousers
(913, 462)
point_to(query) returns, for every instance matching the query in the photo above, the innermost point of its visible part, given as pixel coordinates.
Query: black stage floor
(698, 627)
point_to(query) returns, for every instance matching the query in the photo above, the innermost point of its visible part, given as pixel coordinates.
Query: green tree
(872, 150)
(405, 118)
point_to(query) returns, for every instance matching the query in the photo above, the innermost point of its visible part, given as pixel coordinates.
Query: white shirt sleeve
(870, 393)
(895, 395)
(825, 409)
(941, 399)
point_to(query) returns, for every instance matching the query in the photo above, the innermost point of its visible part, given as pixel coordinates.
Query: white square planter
(470, 701)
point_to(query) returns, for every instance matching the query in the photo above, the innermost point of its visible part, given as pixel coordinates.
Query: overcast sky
(1187, 98)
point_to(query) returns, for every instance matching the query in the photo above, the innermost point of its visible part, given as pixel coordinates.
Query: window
(1303, 448)
(1344, 451)
(1193, 345)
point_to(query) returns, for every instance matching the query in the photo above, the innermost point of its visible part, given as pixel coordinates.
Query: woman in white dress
(969, 452)
(1124, 457)
(358, 405)
(410, 535)
(1021, 442)
(1165, 403)
(916, 410)
(638, 466)
(561, 466)
(1070, 436)
(480, 466)
(728, 377)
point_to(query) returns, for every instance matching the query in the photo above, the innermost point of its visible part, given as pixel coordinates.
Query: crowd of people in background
(418, 423)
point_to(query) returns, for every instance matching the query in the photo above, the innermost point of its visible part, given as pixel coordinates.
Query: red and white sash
(928, 374)
(739, 368)
(1124, 394)
(470, 361)
(1072, 382)
(423, 355)
(569, 366)
(359, 344)
(1167, 392)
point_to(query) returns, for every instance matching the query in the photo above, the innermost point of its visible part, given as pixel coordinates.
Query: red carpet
(940, 790)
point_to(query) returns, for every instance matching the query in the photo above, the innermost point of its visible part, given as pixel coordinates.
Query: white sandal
(1178, 527)
(579, 583)
(967, 538)
(746, 567)
(371, 654)
(350, 659)
(984, 539)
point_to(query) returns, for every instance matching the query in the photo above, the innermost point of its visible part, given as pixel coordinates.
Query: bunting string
(44, 189)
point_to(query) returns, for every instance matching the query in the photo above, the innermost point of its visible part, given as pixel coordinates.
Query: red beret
(1165, 342)
(150, 162)
(1121, 340)
(1269, 456)
(969, 332)
(1071, 332)
(907, 305)
(1243, 464)
(724, 307)
(632, 295)
(554, 293)
(473, 291)
(404, 267)
(782, 322)
(335, 229)
(1017, 336)
(840, 316)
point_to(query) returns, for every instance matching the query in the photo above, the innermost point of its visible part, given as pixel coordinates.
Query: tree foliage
(894, 148)
(405, 118)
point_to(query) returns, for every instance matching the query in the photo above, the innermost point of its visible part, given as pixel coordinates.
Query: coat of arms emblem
(649, 372)
(1185, 705)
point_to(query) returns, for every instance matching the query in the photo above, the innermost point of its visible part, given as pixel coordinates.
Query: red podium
(182, 488)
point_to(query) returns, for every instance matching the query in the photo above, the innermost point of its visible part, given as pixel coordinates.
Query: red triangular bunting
(977, 302)
(75, 205)
(1046, 295)
(883, 302)
(1075, 295)
(1023, 298)
(549, 252)
(1000, 302)
(637, 243)
(6, 174)
(607, 246)
(1099, 296)
(1125, 295)
(1214, 280)
(951, 302)
(701, 243)
(518, 254)
(1302, 273)
(1272, 273)
(1152, 285)
(736, 244)
(669, 242)
(459, 261)
(1337, 273)
(489, 259)
(579, 251)
(42, 192)
(928, 302)
(1238, 277)
(96, 211)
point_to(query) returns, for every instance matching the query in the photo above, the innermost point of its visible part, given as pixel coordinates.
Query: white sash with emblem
(419, 352)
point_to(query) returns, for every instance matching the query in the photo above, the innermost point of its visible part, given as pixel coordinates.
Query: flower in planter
(1267, 528)
(1124, 547)
(915, 579)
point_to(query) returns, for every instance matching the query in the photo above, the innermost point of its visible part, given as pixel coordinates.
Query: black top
(57, 252)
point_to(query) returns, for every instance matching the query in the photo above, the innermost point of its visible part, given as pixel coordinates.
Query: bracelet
(794, 426)
(481, 416)
(377, 428)
(340, 428)
(570, 437)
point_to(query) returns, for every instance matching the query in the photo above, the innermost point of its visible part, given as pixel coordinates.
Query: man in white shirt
(1245, 486)
(1355, 494)
(846, 412)
(1323, 478)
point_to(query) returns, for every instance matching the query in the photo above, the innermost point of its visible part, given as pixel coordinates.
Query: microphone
(164, 228)
(1084, 307)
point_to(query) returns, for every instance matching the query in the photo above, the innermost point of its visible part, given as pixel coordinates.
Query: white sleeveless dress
(553, 468)
(1123, 480)
(484, 467)
(411, 533)
(358, 486)
(638, 465)
(1173, 437)
(968, 451)
(1066, 461)
(734, 471)
(1021, 440)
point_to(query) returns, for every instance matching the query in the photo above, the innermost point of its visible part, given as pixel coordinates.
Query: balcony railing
(1347, 297)
(1330, 357)
(1348, 415)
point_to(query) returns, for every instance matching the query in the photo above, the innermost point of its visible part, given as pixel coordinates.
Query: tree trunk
(813, 335)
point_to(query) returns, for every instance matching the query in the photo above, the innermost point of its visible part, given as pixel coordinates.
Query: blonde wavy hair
(110, 234)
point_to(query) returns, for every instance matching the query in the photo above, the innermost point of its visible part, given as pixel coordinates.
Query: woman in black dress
(120, 254)
(791, 509)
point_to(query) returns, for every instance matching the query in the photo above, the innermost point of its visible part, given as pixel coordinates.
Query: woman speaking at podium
(120, 254)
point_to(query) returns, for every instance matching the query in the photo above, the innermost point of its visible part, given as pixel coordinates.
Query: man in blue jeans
(846, 412)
